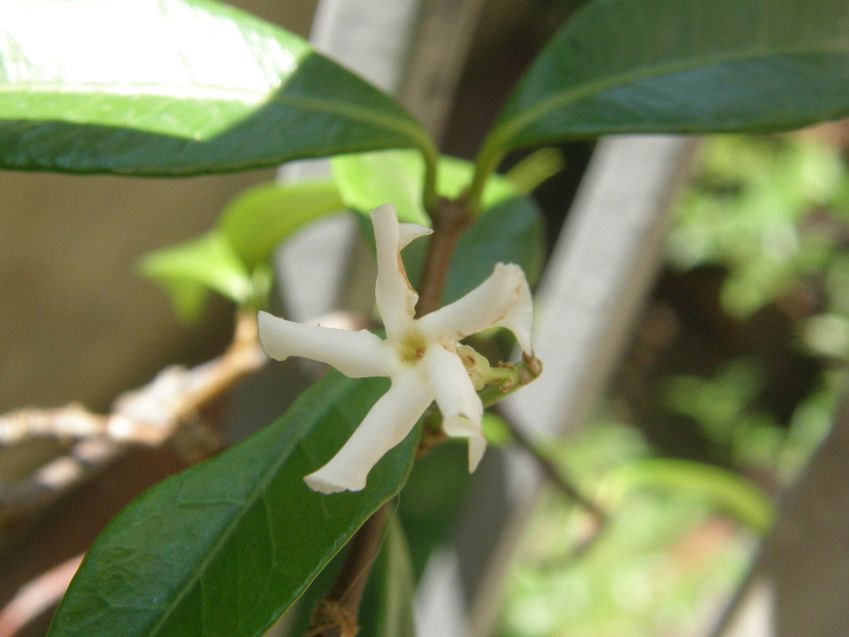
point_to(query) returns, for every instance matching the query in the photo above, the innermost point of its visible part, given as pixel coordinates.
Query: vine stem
(485, 164)
(336, 615)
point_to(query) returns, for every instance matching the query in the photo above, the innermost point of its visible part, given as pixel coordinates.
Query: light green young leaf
(368, 180)
(176, 88)
(189, 269)
(223, 548)
(688, 66)
(263, 216)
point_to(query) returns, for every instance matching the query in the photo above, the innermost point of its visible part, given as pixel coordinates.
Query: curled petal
(355, 354)
(408, 232)
(396, 298)
(387, 424)
(503, 300)
(460, 405)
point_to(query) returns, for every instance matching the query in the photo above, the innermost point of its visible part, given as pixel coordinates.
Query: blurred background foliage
(728, 387)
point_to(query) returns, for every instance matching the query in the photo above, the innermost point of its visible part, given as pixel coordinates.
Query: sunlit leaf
(263, 216)
(189, 269)
(175, 87)
(368, 180)
(225, 547)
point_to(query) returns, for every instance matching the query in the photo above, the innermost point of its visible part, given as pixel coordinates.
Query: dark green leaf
(225, 547)
(189, 269)
(263, 216)
(175, 88)
(509, 232)
(682, 66)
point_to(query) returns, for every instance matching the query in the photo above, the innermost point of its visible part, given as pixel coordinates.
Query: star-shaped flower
(418, 355)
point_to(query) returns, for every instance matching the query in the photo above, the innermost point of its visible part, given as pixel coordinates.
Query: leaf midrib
(357, 113)
(563, 98)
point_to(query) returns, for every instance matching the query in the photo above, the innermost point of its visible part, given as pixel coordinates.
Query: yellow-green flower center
(412, 347)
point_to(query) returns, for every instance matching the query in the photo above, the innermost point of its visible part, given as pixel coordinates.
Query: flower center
(412, 347)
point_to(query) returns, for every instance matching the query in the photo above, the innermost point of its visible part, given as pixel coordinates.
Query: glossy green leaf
(263, 216)
(368, 180)
(225, 547)
(189, 269)
(682, 66)
(176, 88)
(396, 585)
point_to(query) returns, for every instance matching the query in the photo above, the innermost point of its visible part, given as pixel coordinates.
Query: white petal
(388, 423)
(409, 232)
(503, 300)
(396, 298)
(355, 354)
(460, 405)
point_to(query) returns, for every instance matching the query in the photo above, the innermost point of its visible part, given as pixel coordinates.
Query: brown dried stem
(149, 416)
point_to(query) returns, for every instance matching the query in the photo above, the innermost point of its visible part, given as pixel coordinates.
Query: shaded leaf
(396, 585)
(682, 67)
(263, 216)
(175, 88)
(226, 546)
(510, 232)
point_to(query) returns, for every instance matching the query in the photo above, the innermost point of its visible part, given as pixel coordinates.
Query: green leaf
(396, 585)
(189, 269)
(226, 546)
(722, 488)
(176, 88)
(510, 232)
(260, 218)
(368, 180)
(683, 66)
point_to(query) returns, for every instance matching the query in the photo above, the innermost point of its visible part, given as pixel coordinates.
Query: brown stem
(336, 615)
(149, 416)
(449, 220)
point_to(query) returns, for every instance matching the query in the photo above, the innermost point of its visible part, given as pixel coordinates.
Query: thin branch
(449, 220)
(556, 475)
(149, 416)
(336, 615)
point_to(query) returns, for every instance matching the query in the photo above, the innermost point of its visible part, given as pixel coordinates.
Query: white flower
(419, 355)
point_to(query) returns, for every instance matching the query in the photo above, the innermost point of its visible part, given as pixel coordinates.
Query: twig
(37, 596)
(148, 416)
(449, 221)
(336, 615)
(556, 475)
